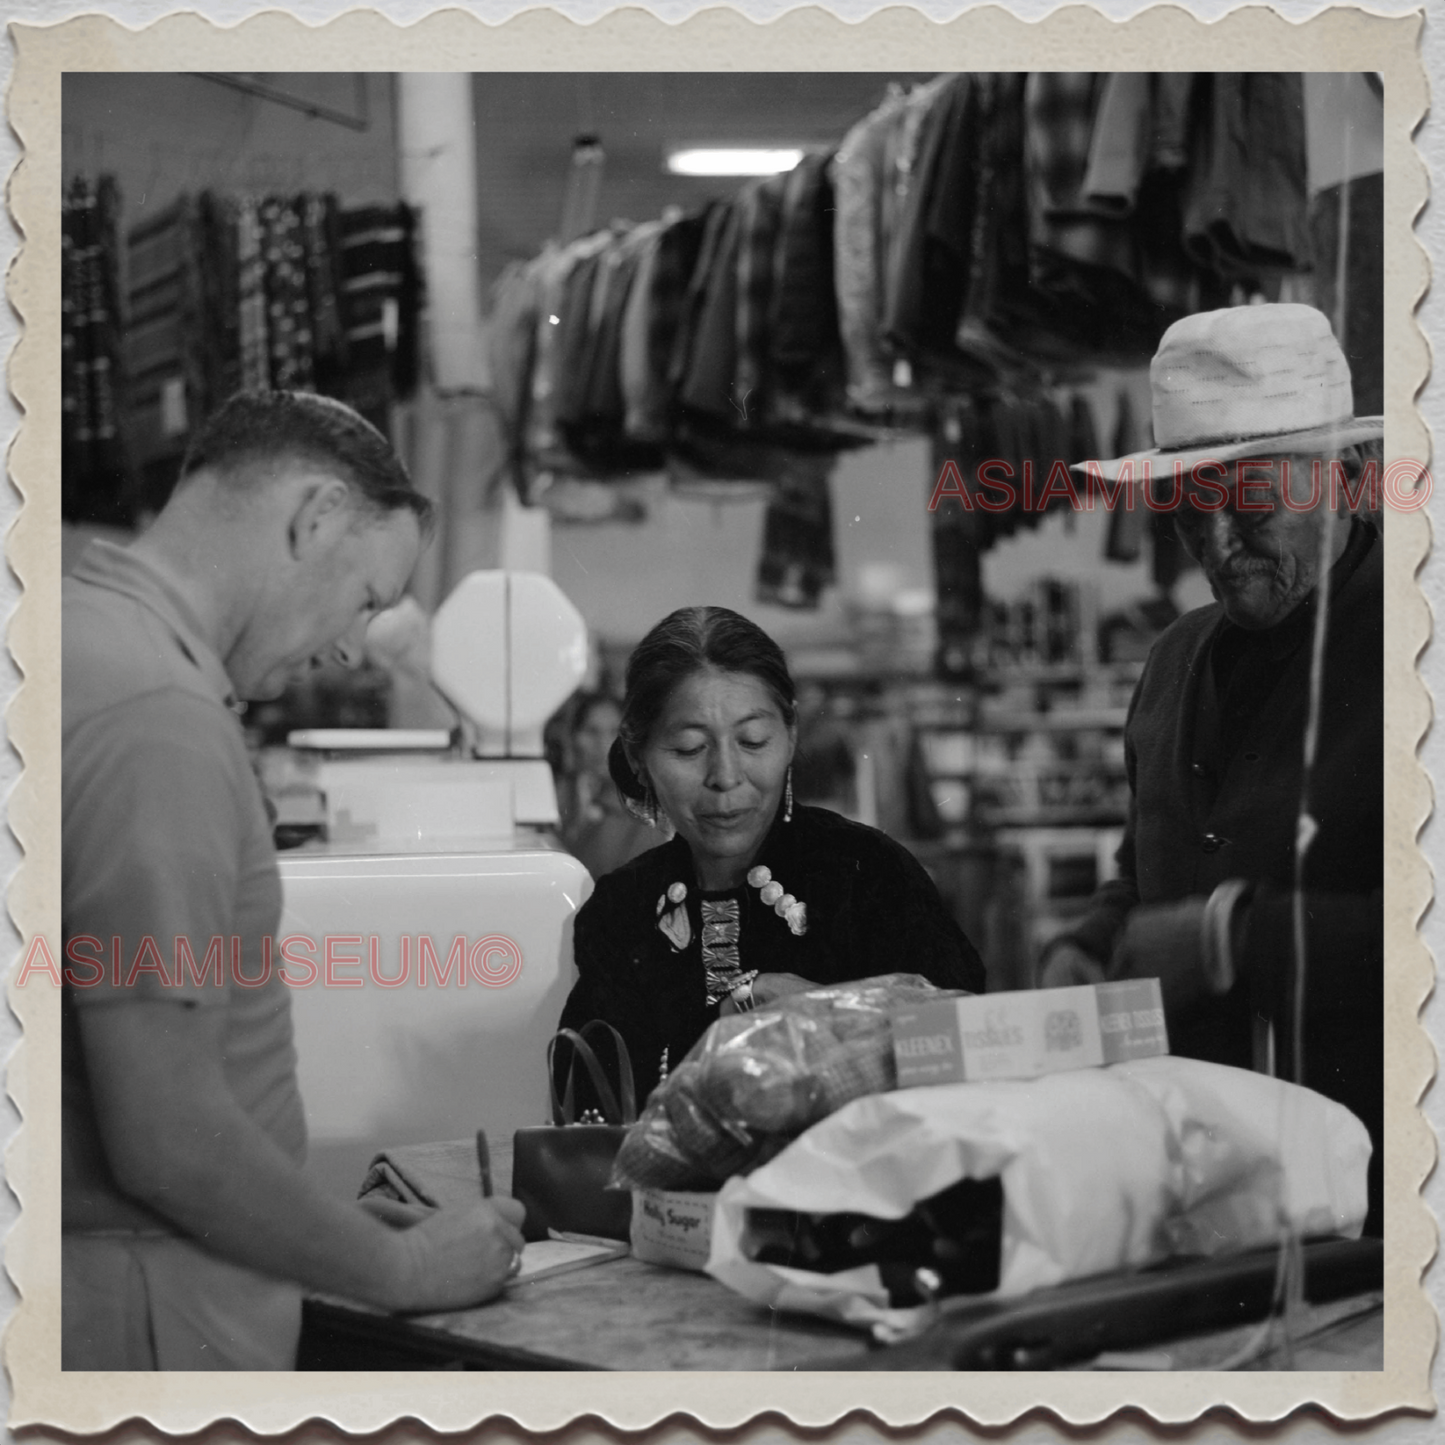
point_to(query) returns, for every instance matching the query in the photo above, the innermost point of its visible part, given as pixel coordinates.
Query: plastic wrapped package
(757, 1080)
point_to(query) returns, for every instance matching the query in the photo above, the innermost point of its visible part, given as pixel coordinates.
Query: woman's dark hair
(685, 642)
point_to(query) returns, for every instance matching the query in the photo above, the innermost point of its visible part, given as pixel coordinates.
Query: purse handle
(626, 1086)
(564, 1109)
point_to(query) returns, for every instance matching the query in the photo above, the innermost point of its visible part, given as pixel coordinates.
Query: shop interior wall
(160, 135)
(623, 578)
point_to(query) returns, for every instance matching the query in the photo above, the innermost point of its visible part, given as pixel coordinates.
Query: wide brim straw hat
(1249, 381)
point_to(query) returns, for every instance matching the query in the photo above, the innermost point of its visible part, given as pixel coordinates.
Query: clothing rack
(978, 235)
(219, 293)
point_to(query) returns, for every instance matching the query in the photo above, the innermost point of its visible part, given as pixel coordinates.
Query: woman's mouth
(723, 820)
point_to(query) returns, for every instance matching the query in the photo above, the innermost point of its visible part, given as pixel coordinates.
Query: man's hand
(177, 1142)
(459, 1257)
(1067, 965)
(394, 1212)
(1163, 941)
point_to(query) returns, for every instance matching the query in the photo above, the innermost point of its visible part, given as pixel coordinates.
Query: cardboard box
(672, 1227)
(1024, 1034)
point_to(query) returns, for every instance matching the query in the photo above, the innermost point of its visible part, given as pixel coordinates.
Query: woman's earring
(788, 796)
(645, 808)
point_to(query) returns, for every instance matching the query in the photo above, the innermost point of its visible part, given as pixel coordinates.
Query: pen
(484, 1162)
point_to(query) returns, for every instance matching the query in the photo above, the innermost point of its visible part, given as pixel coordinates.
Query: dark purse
(560, 1170)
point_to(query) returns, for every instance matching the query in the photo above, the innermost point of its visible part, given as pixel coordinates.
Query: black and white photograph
(723, 721)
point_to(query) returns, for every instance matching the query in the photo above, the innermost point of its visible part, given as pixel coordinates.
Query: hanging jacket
(322, 221)
(707, 387)
(512, 350)
(1119, 143)
(288, 312)
(929, 259)
(719, 235)
(1124, 541)
(381, 301)
(760, 207)
(959, 529)
(597, 435)
(546, 448)
(95, 481)
(1357, 208)
(1000, 323)
(860, 247)
(1060, 132)
(797, 560)
(906, 145)
(1246, 201)
(1173, 104)
(251, 297)
(1086, 261)
(653, 322)
(574, 328)
(805, 349)
(635, 371)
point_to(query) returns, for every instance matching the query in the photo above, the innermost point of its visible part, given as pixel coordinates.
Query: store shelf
(1069, 719)
(1063, 673)
(1049, 817)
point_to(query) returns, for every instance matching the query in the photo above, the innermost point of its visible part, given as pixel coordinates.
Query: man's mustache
(1243, 569)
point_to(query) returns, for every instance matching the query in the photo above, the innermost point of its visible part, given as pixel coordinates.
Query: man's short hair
(262, 426)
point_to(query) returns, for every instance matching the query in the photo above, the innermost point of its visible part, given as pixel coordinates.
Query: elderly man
(188, 1225)
(1246, 401)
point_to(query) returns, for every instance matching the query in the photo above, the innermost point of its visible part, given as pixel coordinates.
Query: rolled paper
(771, 893)
(759, 876)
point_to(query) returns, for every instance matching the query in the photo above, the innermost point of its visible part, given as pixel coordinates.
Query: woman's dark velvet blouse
(871, 908)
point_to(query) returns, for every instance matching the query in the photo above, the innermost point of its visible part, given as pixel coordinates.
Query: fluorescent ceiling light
(731, 161)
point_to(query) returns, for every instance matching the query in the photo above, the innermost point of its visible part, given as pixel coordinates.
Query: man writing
(1246, 402)
(188, 1226)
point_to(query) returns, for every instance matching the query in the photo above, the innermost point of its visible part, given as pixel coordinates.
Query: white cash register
(430, 930)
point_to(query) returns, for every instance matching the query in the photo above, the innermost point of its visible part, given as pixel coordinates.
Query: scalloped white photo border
(624, 40)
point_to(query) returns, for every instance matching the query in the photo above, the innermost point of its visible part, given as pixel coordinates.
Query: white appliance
(435, 862)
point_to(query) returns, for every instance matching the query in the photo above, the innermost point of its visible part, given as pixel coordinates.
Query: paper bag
(1101, 1169)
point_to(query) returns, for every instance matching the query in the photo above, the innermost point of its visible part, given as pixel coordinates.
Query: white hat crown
(1248, 371)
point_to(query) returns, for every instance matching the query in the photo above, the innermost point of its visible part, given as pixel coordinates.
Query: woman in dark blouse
(754, 897)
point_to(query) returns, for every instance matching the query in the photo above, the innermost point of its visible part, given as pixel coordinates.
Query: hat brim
(1319, 439)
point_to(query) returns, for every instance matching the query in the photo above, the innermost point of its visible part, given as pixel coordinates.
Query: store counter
(626, 1315)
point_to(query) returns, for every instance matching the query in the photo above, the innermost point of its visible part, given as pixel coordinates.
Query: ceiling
(527, 123)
